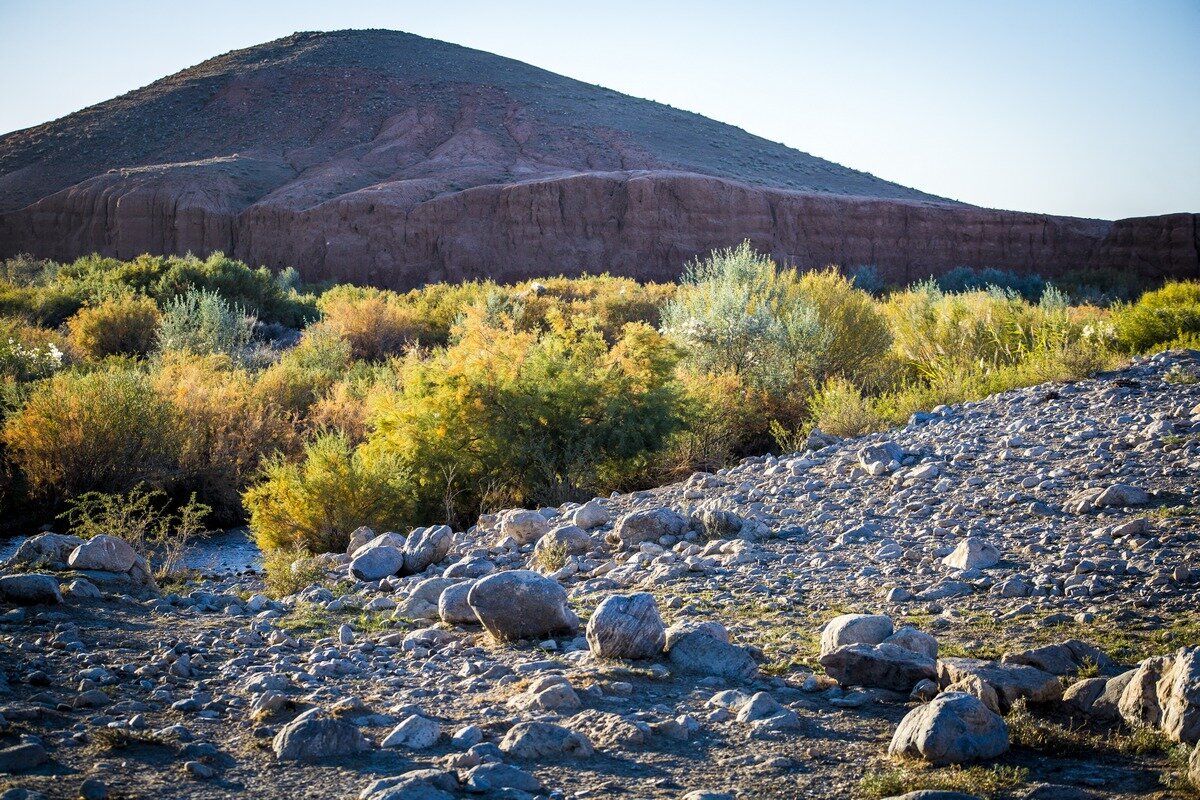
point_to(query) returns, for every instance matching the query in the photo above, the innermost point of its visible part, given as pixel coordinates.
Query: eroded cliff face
(646, 225)
(384, 158)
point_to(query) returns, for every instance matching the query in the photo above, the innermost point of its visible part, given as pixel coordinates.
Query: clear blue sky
(1082, 107)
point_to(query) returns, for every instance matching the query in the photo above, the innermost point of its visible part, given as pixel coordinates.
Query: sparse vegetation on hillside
(189, 375)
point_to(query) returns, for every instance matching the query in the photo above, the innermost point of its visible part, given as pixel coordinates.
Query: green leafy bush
(317, 503)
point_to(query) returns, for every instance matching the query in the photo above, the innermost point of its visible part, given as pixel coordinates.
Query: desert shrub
(722, 418)
(101, 431)
(1029, 286)
(27, 352)
(857, 331)
(141, 517)
(126, 325)
(736, 311)
(376, 323)
(289, 571)
(227, 428)
(253, 289)
(548, 417)
(350, 403)
(306, 372)
(840, 409)
(201, 322)
(1159, 317)
(316, 504)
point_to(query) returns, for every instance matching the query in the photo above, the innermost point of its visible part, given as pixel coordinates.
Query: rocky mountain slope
(1024, 572)
(382, 157)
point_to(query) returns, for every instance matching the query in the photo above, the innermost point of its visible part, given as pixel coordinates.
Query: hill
(384, 157)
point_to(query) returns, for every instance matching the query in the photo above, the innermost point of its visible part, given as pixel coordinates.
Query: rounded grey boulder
(952, 728)
(855, 629)
(105, 553)
(375, 563)
(309, 738)
(626, 626)
(31, 589)
(520, 604)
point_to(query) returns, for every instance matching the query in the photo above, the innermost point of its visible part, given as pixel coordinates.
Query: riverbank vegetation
(308, 411)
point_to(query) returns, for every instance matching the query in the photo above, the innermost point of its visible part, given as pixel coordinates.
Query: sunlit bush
(105, 431)
(306, 372)
(1159, 317)
(858, 336)
(28, 352)
(736, 311)
(527, 417)
(376, 323)
(227, 428)
(317, 503)
(126, 325)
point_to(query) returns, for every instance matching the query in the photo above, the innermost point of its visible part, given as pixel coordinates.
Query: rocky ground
(1012, 584)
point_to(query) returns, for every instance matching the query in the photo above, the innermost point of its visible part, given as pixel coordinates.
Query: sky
(1079, 107)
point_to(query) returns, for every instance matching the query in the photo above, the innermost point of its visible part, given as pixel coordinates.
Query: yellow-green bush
(124, 326)
(859, 339)
(306, 372)
(105, 431)
(376, 323)
(1160, 317)
(317, 503)
(530, 417)
(226, 430)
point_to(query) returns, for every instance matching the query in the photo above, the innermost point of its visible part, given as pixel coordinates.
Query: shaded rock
(44, 551)
(453, 607)
(533, 740)
(29, 590)
(469, 568)
(1081, 696)
(855, 629)
(417, 784)
(372, 563)
(1194, 767)
(879, 459)
(646, 526)
(21, 757)
(1061, 659)
(309, 738)
(520, 604)
(1011, 681)
(424, 598)
(105, 553)
(425, 547)
(885, 666)
(388, 539)
(358, 537)
(626, 626)
(495, 777)
(953, 728)
(704, 648)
